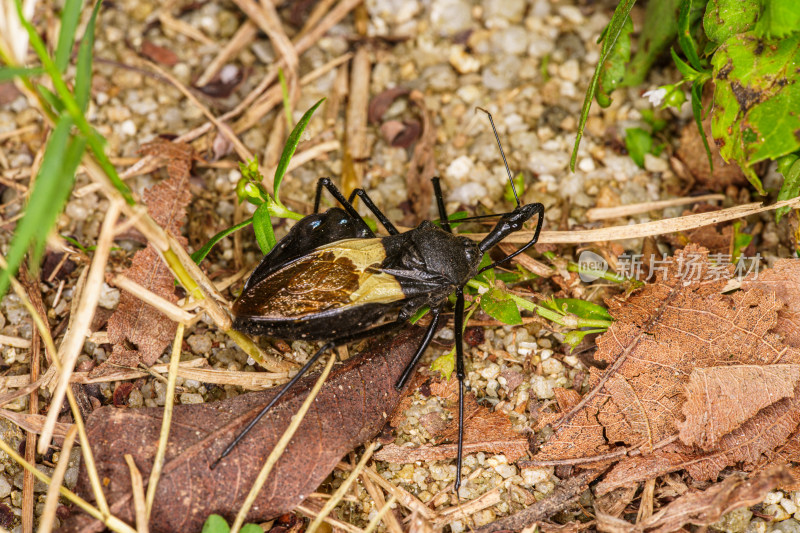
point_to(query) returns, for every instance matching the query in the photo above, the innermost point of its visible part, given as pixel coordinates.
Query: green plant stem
(600, 274)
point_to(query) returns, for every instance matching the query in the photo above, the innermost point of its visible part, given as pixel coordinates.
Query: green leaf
(574, 337)
(201, 254)
(638, 142)
(659, 31)
(83, 73)
(740, 242)
(500, 306)
(613, 71)
(290, 147)
(756, 100)
(778, 19)
(54, 101)
(251, 528)
(419, 314)
(684, 68)
(685, 39)
(50, 190)
(697, 112)
(611, 35)
(66, 36)
(725, 18)
(789, 166)
(9, 73)
(657, 124)
(583, 309)
(216, 524)
(487, 277)
(445, 364)
(262, 225)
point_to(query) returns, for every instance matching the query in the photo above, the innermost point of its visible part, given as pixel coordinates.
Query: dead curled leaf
(135, 321)
(351, 408)
(669, 338)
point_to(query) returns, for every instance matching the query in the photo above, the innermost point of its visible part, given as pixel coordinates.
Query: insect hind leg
(443, 220)
(421, 350)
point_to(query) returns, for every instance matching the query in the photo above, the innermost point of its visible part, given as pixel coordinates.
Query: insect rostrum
(332, 279)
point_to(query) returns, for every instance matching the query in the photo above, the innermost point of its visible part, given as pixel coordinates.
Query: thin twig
(166, 421)
(72, 345)
(381, 513)
(245, 35)
(137, 488)
(172, 311)
(276, 453)
(51, 501)
(601, 213)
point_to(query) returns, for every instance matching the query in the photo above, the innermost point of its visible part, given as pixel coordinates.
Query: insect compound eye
(343, 221)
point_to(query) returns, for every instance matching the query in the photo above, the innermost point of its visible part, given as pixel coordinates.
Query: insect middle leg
(385, 222)
(437, 190)
(328, 184)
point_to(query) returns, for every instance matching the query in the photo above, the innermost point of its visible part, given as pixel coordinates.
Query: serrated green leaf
(725, 18)
(583, 309)
(9, 73)
(789, 166)
(83, 72)
(613, 68)
(215, 524)
(500, 306)
(201, 254)
(638, 142)
(610, 36)
(50, 191)
(756, 112)
(778, 19)
(262, 226)
(290, 147)
(70, 16)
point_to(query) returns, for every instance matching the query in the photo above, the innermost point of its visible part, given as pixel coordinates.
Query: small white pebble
(773, 497)
(542, 387)
(505, 470)
(459, 168)
(587, 164)
(778, 512)
(109, 297)
(128, 128)
(545, 354)
(655, 164)
(532, 476)
(491, 371)
(526, 348)
(457, 526)
(552, 367)
(788, 505)
(191, 397)
(572, 360)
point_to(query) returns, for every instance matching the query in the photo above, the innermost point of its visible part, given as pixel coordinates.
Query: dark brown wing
(339, 275)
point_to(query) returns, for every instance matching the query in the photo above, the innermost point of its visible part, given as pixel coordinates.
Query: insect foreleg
(422, 347)
(328, 184)
(385, 222)
(460, 375)
(538, 209)
(437, 191)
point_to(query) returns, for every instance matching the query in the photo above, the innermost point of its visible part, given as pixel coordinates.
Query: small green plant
(749, 49)
(71, 132)
(216, 524)
(268, 205)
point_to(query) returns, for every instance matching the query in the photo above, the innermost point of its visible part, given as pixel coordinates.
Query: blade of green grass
(262, 225)
(9, 73)
(70, 16)
(610, 39)
(290, 147)
(83, 74)
(32, 226)
(287, 105)
(201, 254)
(96, 143)
(697, 111)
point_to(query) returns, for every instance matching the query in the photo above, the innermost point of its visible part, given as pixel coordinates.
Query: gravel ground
(526, 62)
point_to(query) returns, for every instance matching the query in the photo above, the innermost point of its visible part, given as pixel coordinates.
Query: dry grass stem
(245, 35)
(646, 229)
(385, 508)
(342, 490)
(34, 423)
(17, 132)
(166, 421)
(392, 524)
(601, 213)
(15, 342)
(307, 510)
(137, 488)
(319, 11)
(51, 501)
(405, 498)
(466, 509)
(72, 344)
(297, 419)
(172, 311)
(171, 23)
(265, 16)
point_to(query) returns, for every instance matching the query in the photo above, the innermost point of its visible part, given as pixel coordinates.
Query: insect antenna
(502, 153)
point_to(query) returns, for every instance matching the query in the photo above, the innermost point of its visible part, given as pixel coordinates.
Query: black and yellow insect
(332, 279)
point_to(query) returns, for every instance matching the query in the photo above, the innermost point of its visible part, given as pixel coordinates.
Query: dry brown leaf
(720, 399)
(693, 154)
(784, 280)
(703, 508)
(146, 328)
(159, 54)
(717, 238)
(665, 331)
